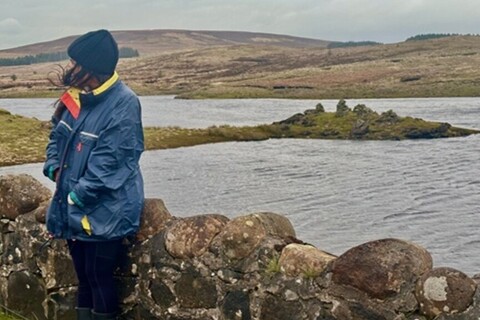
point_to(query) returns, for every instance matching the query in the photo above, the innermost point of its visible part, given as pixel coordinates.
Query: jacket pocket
(78, 222)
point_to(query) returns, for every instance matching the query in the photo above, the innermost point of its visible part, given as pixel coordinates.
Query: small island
(23, 140)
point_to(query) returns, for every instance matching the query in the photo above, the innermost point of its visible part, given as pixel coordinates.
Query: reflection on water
(337, 194)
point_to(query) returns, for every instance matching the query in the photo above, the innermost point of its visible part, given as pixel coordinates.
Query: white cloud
(10, 25)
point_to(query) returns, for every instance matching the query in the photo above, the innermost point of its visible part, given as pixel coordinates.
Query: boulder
(295, 119)
(444, 290)
(161, 294)
(342, 108)
(388, 118)
(236, 306)
(319, 108)
(242, 235)
(53, 262)
(154, 218)
(190, 237)
(362, 110)
(194, 291)
(359, 129)
(384, 269)
(41, 212)
(276, 308)
(439, 131)
(20, 194)
(26, 292)
(303, 260)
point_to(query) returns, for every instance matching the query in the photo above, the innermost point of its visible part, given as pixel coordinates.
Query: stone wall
(210, 267)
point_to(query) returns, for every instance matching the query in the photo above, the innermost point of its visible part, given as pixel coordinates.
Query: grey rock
(369, 267)
(388, 118)
(444, 290)
(304, 260)
(362, 110)
(26, 292)
(275, 308)
(193, 291)
(236, 306)
(319, 108)
(360, 128)
(190, 237)
(154, 218)
(242, 235)
(342, 108)
(20, 194)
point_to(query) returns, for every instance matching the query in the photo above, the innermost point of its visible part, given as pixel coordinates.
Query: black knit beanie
(96, 51)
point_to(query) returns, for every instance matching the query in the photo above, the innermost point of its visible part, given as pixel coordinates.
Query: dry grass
(433, 68)
(22, 140)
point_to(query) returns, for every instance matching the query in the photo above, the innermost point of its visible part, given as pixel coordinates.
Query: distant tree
(428, 36)
(13, 77)
(56, 56)
(126, 52)
(352, 44)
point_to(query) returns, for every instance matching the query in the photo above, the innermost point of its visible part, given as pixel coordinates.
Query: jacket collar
(93, 97)
(106, 85)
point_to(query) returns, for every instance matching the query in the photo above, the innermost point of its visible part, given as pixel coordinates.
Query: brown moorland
(446, 67)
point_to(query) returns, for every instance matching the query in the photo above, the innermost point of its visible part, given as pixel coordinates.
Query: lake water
(337, 194)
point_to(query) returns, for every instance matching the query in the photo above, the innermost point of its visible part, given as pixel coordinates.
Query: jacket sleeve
(52, 160)
(115, 157)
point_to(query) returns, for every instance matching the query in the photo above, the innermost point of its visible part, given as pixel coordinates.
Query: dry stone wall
(210, 267)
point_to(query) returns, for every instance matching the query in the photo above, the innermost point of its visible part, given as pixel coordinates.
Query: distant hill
(444, 67)
(154, 42)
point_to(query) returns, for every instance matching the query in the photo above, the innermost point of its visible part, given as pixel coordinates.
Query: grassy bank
(354, 91)
(357, 91)
(23, 140)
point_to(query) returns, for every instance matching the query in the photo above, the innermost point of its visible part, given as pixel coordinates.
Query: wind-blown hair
(65, 78)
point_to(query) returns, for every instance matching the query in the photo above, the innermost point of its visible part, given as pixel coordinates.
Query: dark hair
(65, 78)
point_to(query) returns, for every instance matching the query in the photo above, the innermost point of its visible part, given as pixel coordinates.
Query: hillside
(154, 42)
(431, 68)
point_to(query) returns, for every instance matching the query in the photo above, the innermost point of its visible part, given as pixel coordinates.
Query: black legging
(94, 264)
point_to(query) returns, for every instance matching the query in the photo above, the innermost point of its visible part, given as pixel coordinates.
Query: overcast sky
(29, 21)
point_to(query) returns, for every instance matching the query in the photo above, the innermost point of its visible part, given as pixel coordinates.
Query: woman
(93, 156)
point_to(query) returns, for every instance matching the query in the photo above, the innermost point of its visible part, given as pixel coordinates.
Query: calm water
(337, 194)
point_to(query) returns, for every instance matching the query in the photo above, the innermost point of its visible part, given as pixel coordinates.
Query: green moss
(30, 94)
(22, 140)
(354, 91)
(4, 316)
(273, 266)
(310, 273)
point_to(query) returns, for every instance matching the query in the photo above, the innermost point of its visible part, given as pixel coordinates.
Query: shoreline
(23, 139)
(207, 93)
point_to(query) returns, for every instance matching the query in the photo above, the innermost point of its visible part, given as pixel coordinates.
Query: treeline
(127, 52)
(332, 45)
(124, 52)
(436, 36)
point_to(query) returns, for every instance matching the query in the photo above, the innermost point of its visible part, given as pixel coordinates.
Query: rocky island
(23, 140)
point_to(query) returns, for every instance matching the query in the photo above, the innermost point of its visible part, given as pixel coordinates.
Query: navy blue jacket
(97, 156)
